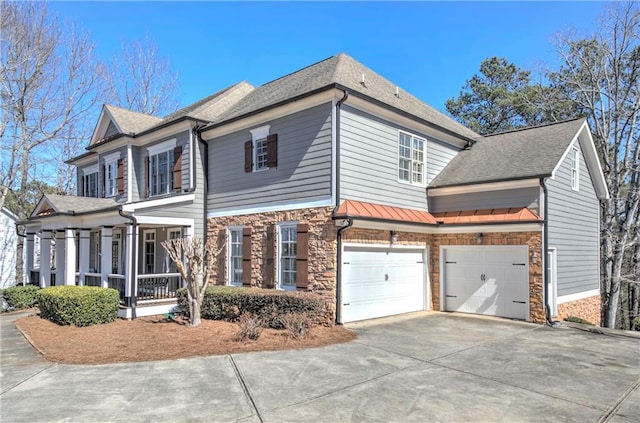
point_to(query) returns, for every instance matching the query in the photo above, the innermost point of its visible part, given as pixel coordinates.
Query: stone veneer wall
(434, 241)
(586, 308)
(322, 246)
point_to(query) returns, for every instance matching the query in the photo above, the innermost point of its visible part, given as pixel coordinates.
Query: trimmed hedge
(78, 305)
(229, 303)
(580, 320)
(20, 296)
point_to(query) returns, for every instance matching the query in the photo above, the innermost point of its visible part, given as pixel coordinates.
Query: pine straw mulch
(158, 338)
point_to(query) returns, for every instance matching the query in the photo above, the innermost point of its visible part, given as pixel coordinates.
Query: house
(334, 180)
(9, 248)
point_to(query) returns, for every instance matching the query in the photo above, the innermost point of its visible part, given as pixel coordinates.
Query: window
(261, 153)
(161, 172)
(149, 265)
(411, 159)
(95, 252)
(116, 253)
(172, 234)
(288, 250)
(575, 169)
(235, 256)
(110, 177)
(90, 184)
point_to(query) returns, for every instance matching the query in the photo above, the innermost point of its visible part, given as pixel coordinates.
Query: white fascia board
(577, 296)
(327, 202)
(491, 186)
(564, 155)
(90, 169)
(112, 157)
(165, 221)
(162, 147)
(158, 202)
(102, 125)
(85, 160)
(253, 121)
(414, 125)
(112, 145)
(593, 162)
(446, 229)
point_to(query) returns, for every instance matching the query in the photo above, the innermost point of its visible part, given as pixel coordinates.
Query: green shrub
(229, 303)
(635, 324)
(580, 320)
(19, 297)
(78, 305)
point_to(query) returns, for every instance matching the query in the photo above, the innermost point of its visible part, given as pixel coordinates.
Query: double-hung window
(149, 265)
(160, 172)
(575, 169)
(288, 250)
(235, 256)
(111, 175)
(411, 159)
(261, 153)
(90, 181)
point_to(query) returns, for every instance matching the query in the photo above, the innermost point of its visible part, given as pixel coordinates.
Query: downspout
(349, 220)
(545, 253)
(204, 159)
(134, 270)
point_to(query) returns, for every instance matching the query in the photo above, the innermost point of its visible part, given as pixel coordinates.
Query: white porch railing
(158, 286)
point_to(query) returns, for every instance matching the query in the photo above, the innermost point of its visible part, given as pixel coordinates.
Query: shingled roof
(129, 121)
(344, 71)
(71, 204)
(520, 154)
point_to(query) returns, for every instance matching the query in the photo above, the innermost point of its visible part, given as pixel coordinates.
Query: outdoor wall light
(480, 238)
(394, 237)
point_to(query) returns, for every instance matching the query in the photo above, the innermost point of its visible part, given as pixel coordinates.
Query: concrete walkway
(426, 367)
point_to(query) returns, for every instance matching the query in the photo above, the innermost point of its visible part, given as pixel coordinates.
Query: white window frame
(574, 157)
(413, 163)
(87, 173)
(145, 241)
(169, 266)
(154, 151)
(117, 239)
(259, 139)
(230, 268)
(280, 266)
(95, 251)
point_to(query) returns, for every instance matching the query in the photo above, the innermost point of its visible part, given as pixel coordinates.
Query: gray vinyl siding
(303, 173)
(521, 197)
(369, 161)
(101, 162)
(573, 229)
(139, 153)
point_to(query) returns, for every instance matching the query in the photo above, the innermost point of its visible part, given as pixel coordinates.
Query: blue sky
(428, 48)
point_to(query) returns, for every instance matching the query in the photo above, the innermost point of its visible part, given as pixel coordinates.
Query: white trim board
(577, 296)
(492, 186)
(278, 207)
(159, 202)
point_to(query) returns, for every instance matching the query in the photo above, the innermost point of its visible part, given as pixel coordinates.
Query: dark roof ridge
(193, 106)
(298, 70)
(526, 128)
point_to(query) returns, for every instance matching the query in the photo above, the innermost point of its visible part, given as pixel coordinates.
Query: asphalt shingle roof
(131, 122)
(345, 71)
(73, 204)
(519, 154)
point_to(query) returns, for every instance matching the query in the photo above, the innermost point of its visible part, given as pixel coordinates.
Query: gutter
(545, 254)
(339, 271)
(134, 244)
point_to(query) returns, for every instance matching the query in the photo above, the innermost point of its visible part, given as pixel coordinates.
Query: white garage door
(487, 280)
(381, 282)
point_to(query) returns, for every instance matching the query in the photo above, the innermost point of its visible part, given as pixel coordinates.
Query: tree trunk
(195, 313)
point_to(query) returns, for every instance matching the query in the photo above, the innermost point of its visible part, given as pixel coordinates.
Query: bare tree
(140, 79)
(602, 75)
(194, 261)
(49, 84)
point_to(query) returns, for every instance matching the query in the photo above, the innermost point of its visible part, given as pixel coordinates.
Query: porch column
(29, 252)
(106, 238)
(130, 263)
(60, 260)
(45, 259)
(84, 246)
(70, 256)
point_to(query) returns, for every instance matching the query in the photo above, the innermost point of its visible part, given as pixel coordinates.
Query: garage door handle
(451, 262)
(452, 296)
(519, 264)
(520, 302)
(386, 277)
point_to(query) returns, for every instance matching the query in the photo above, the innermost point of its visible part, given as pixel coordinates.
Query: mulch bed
(158, 338)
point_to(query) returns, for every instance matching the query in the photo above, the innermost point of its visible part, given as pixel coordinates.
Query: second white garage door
(381, 282)
(486, 280)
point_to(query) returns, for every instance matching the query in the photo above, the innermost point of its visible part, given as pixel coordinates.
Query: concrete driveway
(425, 367)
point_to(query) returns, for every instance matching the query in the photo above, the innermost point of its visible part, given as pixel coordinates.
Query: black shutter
(177, 169)
(248, 156)
(272, 150)
(103, 174)
(246, 257)
(146, 177)
(302, 256)
(269, 271)
(120, 176)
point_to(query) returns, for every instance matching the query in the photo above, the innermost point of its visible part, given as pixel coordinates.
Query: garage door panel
(378, 282)
(486, 280)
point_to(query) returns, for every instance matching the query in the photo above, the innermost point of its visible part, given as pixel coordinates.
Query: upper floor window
(261, 152)
(90, 181)
(575, 169)
(163, 168)
(111, 175)
(411, 159)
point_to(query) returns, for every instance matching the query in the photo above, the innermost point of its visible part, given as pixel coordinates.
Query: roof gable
(70, 204)
(125, 122)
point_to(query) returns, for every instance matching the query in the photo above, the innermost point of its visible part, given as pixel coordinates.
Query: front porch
(123, 257)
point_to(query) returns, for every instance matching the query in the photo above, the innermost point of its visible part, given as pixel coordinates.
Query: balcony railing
(158, 286)
(117, 282)
(93, 279)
